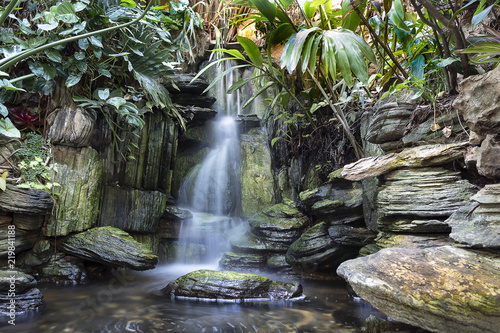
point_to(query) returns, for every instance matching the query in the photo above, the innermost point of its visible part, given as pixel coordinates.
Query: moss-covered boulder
(79, 171)
(256, 177)
(440, 289)
(315, 250)
(63, 270)
(39, 254)
(110, 246)
(337, 203)
(132, 210)
(231, 286)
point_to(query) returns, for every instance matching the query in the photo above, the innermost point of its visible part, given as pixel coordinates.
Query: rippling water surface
(132, 302)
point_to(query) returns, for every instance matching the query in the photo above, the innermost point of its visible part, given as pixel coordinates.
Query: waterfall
(212, 189)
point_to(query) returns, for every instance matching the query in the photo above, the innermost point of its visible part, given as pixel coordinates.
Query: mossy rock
(110, 246)
(242, 261)
(229, 285)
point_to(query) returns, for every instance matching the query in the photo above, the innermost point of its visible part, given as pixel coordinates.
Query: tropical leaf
(350, 19)
(8, 129)
(292, 58)
(252, 50)
(267, 8)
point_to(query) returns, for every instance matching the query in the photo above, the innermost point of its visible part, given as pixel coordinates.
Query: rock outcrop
(225, 285)
(441, 289)
(109, 246)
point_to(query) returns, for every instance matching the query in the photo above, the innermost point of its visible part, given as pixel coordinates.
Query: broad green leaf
(356, 60)
(116, 101)
(45, 71)
(4, 112)
(73, 79)
(364, 47)
(267, 8)
(286, 3)
(307, 53)
(342, 58)
(282, 33)
(252, 50)
(417, 67)
(314, 53)
(54, 55)
(447, 61)
(96, 41)
(286, 54)
(33, 43)
(240, 83)
(128, 3)
(298, 44)
(103, 93)
(77, 28)
(350, 19)
(234, 53)
(83, 43)
(66, 13)
(317, 3)
(8, 129)
(309, 9)
(79, 55)
(387, 5)
(48, 27)
(7, 85)
(82, 66)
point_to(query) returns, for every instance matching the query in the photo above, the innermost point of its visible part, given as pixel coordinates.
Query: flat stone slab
(226, 285)
(110, 246)
(17, 200)
(441, 289)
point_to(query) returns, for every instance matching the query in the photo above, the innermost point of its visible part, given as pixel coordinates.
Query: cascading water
(212, 189)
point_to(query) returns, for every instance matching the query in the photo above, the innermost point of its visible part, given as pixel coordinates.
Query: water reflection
(131, 302)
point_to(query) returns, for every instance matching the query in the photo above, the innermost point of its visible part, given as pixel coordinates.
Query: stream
(131, 302)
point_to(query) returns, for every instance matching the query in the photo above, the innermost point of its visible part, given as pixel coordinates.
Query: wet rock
(173, 213)
(315, 250)
(23, 241)
(351, 236)
(339, 202)
(389, 120)
(256, 177)
(247, 121)
(110, 246)
(189, 253)
(419, 200)
(21, 280)
(378, 325)
(71, 126)
(242, 261)
(478, 224)
(231, 286)
(189, 101)
(447, 289)
(250, 242)
(197, 114)
(488, 161)
(150, 241)
(79, 171)
(185, 162)
(39, 254)
(63, 270)
(281, 223)
(28, 222)
(184, 83)
(21, 201)
(479, 102)
(407, 241)
(27, 298)
(153, 148)
(278, 263)
(131, 209)
(31, 300)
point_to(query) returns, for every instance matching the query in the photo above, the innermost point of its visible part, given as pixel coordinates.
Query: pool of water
(132, 302)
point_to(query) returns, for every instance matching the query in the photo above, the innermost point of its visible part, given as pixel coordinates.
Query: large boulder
(256, 177)
(338, 202)
(79, 171)
(231, 286)
(441, 289)
(479, 102)
(478, 225)
(420, 200)
(131, 209)
(110, 246)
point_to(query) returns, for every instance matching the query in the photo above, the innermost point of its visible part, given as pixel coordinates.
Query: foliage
(35, 173)
(487, 50)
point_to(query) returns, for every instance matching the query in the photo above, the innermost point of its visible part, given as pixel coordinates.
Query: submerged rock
(442, 289)
(231, 286)
(110, 246)
(478, 225)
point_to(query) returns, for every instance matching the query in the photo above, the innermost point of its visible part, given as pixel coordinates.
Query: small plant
(35, 171)
(24, 119)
